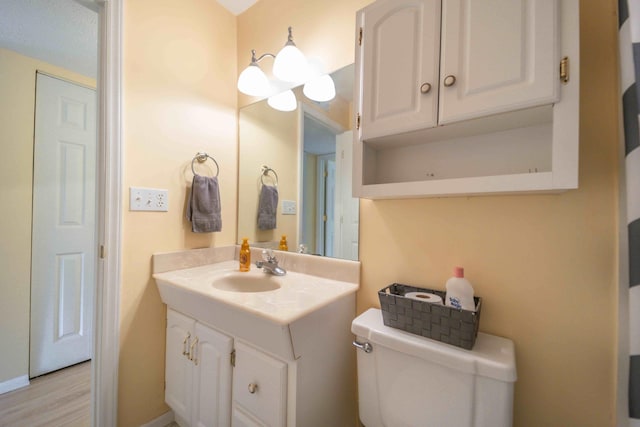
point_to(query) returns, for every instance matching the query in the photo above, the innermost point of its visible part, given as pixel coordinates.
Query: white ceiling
(237, 6)
(61, 32)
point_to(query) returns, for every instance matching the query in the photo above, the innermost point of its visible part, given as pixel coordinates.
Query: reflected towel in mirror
(203, 209)
(267, 207)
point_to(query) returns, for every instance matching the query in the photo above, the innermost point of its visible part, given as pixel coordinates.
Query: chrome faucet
(270, 264)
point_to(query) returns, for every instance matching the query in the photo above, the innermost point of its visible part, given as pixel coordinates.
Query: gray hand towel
(203, 209)
(267, 207)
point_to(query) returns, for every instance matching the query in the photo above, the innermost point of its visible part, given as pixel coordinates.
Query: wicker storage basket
(449, 325)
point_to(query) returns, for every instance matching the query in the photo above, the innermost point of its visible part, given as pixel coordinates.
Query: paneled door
(347, 207)
(63, 264)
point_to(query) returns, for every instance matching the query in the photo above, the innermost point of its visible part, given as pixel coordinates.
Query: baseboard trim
(14, 384)
(162, 421)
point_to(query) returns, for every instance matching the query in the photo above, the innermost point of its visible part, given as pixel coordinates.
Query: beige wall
(544, 264)
(179, 98)
(268, 137)
(17, 102)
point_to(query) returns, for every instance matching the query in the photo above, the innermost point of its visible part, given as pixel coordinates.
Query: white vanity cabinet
(197, 372)
(250, 372)
(244, 356)
(466, 97)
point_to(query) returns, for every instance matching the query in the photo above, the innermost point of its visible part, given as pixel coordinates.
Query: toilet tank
(408, 380)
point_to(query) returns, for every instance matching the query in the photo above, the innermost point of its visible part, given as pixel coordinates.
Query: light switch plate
(288, 207)
(148, 199)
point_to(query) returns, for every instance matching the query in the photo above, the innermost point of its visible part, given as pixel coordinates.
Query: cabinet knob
(450, 80)
(425, 88)
(253, 388)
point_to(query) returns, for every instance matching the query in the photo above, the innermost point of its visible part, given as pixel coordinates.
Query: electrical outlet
(288, 207)
(148, 199)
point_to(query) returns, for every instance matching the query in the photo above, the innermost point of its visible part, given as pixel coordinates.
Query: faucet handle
(268, 256)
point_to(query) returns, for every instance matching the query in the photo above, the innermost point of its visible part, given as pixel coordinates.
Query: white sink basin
(246, 282)
(281, 299)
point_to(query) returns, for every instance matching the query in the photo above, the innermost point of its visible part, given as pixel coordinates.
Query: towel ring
(201, 158)
(265, 172)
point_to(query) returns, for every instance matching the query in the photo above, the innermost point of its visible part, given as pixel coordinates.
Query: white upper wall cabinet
(403, 38)
(466, 97)
(497, 56)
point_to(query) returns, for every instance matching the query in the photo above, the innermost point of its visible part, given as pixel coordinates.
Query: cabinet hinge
(360, 37)
(233, 358)
(564, 70)
(358, 121)
(324, 218)
(102, 252)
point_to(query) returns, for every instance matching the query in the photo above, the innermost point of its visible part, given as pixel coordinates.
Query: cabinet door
(212, 378)
(502, 55)
(399, 60)
(178, 368)
(259, 389)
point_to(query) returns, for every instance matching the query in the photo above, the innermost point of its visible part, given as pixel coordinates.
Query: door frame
(104, 369)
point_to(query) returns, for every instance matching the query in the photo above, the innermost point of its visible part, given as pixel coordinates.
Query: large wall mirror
(307, 155)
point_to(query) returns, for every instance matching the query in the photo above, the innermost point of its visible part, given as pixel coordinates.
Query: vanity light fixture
(290, 65)
(283, 101)
(320, 89)
(290, 68)
(253, 81)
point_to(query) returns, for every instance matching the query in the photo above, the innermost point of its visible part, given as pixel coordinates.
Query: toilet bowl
(405, 380)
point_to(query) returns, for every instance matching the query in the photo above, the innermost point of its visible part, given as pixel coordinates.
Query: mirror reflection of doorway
(319, 147)
(330, 213)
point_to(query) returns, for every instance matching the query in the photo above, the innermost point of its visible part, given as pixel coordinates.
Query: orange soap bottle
(245, 255)
(283, 243)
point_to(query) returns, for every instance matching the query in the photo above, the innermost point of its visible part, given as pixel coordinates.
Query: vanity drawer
(259, 388)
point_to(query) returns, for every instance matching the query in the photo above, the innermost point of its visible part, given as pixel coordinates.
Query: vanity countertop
(299, 294)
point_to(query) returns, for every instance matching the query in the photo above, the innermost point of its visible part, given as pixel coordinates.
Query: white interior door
(347, 207)
(325, 200)
(64, 225)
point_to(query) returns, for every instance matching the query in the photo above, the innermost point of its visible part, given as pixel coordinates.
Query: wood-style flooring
(58, 399)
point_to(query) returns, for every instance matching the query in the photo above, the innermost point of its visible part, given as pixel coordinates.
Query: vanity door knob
(450, 80)
(253, 388)
(425, 88)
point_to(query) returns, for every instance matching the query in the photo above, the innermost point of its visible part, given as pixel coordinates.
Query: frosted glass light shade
(290, 64)
(320, 89)
(284, 101)
(253, 81)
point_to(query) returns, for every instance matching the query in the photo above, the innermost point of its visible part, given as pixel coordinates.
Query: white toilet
(405, 380)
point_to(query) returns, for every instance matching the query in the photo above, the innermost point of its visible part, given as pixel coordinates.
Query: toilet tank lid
(491, 356)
